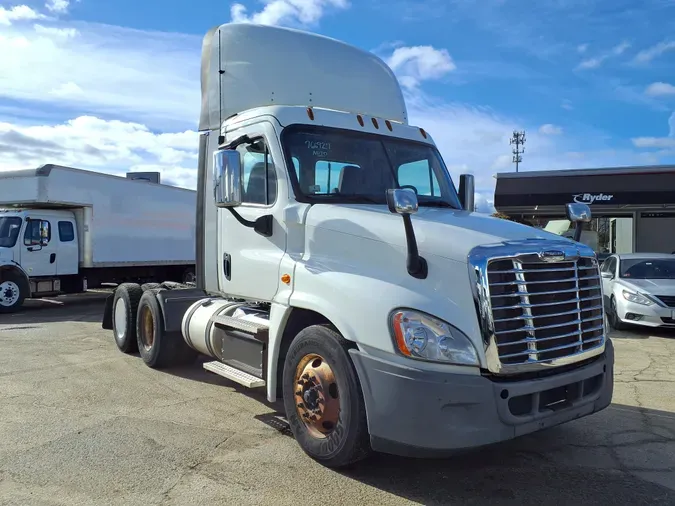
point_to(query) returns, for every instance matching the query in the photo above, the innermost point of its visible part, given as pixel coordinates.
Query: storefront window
(605, 234)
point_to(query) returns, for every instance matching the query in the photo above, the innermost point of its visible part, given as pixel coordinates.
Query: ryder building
(633, 207)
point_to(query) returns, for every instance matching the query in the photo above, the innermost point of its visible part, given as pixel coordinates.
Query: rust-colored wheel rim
(148, 328)
(317, 400)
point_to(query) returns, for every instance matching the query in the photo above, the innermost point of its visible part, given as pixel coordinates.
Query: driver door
(249, 261)
(38, 252)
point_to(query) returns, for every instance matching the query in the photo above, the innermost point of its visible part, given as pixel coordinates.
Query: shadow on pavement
(86, 307)
(571, 464)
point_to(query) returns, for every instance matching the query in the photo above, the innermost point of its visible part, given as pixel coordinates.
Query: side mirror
(227, 180)
(606, 275)
(402, 201)
(578, 213)
(467, 192)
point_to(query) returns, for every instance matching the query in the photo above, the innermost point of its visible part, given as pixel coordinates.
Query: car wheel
(613, 317)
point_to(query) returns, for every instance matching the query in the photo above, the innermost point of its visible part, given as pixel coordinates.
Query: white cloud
(549, 129)
(667, 143)
(596, 61)
(114, 147)
(58, 6)
(567, 105)
(110, 71)
(287, 12)
(582, 48)
(660, 89)
(415, 64)
(18, 13)
(647, 55)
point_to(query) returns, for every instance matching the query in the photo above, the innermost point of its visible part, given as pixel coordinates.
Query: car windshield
(9, 230)
(341, 166)
(647, 268)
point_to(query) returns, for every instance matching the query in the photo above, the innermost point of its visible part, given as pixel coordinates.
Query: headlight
(638, 298)
(422, 336)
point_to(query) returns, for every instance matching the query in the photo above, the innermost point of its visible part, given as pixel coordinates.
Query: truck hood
(443, 232)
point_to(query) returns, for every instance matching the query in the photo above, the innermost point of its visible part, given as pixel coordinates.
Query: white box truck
(63, 230)
(340, 269)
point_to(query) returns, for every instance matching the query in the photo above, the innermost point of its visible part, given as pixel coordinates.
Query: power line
(517, 140)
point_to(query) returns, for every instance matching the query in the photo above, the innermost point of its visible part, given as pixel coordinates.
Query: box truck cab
(41, 244)
(340, 269)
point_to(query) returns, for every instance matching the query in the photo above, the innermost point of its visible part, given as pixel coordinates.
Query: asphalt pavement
(83, 424)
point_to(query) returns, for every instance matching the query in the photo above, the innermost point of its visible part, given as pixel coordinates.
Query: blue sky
(114, 86)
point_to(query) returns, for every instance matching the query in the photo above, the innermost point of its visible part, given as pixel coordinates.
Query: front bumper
(648, 316)
(413, 411)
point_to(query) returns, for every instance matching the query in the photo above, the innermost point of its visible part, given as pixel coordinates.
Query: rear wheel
(125, 305)
(158, 348)
(323, 400)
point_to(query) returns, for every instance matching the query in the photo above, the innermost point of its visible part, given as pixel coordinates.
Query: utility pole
(517, 140)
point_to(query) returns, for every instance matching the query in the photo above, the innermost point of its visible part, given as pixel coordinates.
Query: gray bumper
(417, 412)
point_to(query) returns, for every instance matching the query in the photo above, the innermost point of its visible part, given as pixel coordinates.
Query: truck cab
(340, 268)
(42, 246)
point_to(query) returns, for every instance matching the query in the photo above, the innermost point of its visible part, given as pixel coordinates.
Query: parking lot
(82, 423)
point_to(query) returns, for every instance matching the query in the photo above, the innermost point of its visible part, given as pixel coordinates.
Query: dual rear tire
(138, 326)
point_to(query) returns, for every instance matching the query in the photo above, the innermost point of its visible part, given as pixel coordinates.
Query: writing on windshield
(342, 166)
(652, 268)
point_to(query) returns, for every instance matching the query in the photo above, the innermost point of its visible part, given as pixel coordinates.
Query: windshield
(647, 268)
(341, 166)
(9, 230)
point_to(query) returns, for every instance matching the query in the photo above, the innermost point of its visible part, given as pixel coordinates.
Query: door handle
(52, 258)
(227, 266)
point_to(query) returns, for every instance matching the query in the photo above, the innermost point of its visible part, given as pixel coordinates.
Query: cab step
(255, 329)
(233, 374)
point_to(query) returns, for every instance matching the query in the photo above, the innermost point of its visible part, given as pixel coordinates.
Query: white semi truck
(339, 268)
(63, 230)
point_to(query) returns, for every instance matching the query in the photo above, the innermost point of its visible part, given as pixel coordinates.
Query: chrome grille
(542, 311)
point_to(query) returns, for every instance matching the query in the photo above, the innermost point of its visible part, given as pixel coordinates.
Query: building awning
(606, 190)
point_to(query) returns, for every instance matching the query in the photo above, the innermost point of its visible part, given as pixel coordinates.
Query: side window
(260, 178)
(66, 231)
(419, 175)
(37, 232)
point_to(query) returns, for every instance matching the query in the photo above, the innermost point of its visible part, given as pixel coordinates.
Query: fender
(11, 265)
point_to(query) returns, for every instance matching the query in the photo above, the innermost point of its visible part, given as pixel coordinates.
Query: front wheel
(613, 316)
(323, 399)
(13, 292)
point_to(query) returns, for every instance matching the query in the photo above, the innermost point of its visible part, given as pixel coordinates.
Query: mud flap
(107, 312)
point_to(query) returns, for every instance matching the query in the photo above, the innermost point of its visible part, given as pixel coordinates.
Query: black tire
(15, 290)
(348, 442)
(157, 348)
(126, 299)
(613, 318)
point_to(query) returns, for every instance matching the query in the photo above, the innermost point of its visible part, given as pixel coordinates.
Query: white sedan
(639, 289)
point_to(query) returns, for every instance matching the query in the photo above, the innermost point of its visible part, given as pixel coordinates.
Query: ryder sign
(590, 198)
